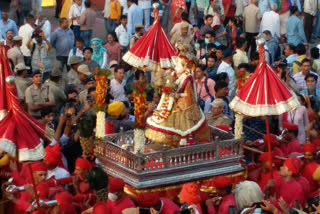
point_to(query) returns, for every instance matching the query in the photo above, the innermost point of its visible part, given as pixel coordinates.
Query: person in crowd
(205, 88)
(139, 31)
(234, 32)
(9, 39)
(294, 28)
(24, 8)
(226, 67)
(21, 80)
(251, 20)
(211, 69)
(83, 74)
(310, 11)
(225, 197)
(42, 23)
(305, 70)
(100, 54)
(286, 186)
(72, 76)
(7, 24)
(122, 34)
(145, 5)
(87, 53)
(116, 114)
(15, 54)
(176, 28)
(39, 47)
(62, 39)
(182, 37)
(271, 22)
(207, 27)
(87, 21)
(222, 91)
(240, 56)
(88, 83)
(289, 53)
(311, 91)
(75, 12)
(190, 194)
(301, 52)
(118, 84)
(290, 142)
(38, 96)
(113, 48)
(315, 55)
(26, 32)
(272, 45)
(135, 16)
(216, 117)
(78, 50)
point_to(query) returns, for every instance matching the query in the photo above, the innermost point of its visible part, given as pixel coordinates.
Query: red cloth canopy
(19, 132)
(264, 93)
(153, 51)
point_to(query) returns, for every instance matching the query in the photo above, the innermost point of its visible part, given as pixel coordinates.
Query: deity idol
(178, 119)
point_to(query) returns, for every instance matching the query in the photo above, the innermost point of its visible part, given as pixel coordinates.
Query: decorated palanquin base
(165, 170)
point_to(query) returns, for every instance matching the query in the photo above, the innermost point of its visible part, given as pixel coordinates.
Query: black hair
(311, 75)
(220, 85)
(202, 67)
(45, 111)
(211, 33)
(123, 17)
(210, 45)
(292, 47)
(314, 52)
(138, 73)
(20, 72)
(244, 65)
(185, 16)
(208, 16)
(91, 90)
(221, 47)
(97, 179)
(240, 42)
(29, 17)
(293, 10)
(87, 3)
(117, 69)
(61, 20)
(254, 56)
(54, 78)
(79, 39)
(113, 34)
(301, 49)
(305, 60)
(88, 48)
(221, 77)
(212, 56)
(267, 32)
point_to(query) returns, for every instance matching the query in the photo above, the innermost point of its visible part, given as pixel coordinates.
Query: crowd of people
(220, 38)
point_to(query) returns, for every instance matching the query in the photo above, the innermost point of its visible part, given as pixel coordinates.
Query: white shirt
(271, 21)
(106, 10)
(25, 32)
(78, 53)
(117, 90)
(124, 5)
(176, 28)
(122, 35)
(46, 28)
(224, 67)
(310, 7)
(75, 11)
(57, 173)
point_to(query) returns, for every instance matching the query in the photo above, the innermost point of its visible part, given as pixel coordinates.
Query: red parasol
(264, 94)
(153, 51)
(19, 132)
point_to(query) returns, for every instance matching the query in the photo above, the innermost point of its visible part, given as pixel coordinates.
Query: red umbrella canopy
(264, 93)
(153, 51)
(19, 132)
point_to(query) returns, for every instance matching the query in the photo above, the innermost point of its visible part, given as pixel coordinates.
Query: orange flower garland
(101, 77)
(140, 99)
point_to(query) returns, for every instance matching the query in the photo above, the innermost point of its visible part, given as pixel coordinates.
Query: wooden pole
(269, 145)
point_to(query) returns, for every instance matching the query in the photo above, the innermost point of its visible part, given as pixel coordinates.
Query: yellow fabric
(65, 10)
(316, 174)
(4, 160)
(115, 10)
(115, 109)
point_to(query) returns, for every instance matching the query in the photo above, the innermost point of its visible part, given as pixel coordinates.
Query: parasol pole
(269, 145)
(35, 190)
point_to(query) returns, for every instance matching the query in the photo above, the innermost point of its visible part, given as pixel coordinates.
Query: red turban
(64, 200)
(224, 127)
(293, 164)
(83, 163)
(190, 193)
(38, 166)
(53, 155)
(116, 184)
(290, 126)
(43, 190)
(148, 199)
(273, 140)
(221, 182)
(264, 157)
(308, 147)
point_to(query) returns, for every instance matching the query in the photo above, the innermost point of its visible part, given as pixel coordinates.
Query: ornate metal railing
(169, 165)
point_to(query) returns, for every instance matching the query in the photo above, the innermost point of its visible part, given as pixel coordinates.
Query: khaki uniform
(221, 119)
(35, 95)
(58, 95)
(22, 83)
(83, 96)
(179, 39)
(15, 55)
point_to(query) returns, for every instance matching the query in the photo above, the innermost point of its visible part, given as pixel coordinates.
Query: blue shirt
(11, 25)
(295, 33)
(62, 41)
(264, 6)
(135, 16)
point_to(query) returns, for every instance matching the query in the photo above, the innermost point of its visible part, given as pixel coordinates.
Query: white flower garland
(100, 126)
(139, 140)
(238, 127)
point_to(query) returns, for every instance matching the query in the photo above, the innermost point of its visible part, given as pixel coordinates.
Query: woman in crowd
(113, 48)
(100, 54)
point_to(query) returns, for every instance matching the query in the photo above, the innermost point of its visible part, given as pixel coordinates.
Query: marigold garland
(140, 99)
(241, 79)
(101, 77)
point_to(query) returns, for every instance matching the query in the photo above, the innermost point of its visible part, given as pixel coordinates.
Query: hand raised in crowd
(215, 201)
(317, 208)
(270, 183)
(267, 206)
(283, 205)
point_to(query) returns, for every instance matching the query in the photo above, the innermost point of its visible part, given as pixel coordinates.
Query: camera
(184, 209)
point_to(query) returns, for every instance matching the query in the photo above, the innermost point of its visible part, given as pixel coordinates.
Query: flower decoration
(140, 99)
(101, 77)
(241, 79)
